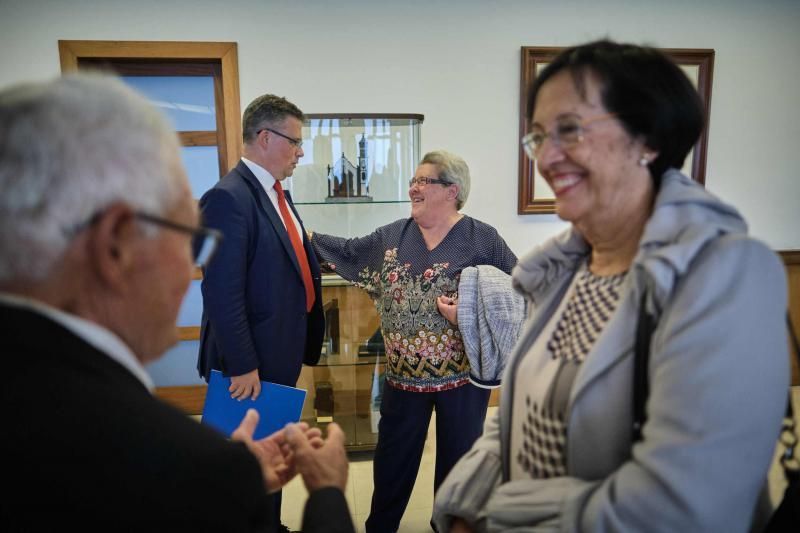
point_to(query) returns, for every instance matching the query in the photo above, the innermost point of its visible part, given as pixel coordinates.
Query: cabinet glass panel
(354, 174)
(346, 385)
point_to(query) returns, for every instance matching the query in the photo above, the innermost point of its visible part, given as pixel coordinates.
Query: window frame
(170, 58)
(219, 59)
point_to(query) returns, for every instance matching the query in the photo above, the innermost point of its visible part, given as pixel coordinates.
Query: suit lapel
(268, 210)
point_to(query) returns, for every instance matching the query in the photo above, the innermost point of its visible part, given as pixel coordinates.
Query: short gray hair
(452, 169)
(69, 148)
(267, 110)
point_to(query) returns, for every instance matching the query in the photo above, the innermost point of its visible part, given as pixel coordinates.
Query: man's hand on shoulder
(245, 386)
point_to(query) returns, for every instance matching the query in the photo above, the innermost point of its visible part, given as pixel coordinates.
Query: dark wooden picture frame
(530, 201)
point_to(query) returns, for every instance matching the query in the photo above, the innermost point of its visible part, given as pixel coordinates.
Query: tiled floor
(417, 516)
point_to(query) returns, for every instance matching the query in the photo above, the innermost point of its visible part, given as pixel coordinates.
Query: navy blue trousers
(405, 417)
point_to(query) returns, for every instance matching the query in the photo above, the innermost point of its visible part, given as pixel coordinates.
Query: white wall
(457, 62)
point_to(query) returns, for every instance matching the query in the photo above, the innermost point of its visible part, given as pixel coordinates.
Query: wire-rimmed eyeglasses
(205, 241)
(423, 181)
(297, 143)
(568, 131)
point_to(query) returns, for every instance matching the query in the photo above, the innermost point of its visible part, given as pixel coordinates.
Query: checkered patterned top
(543, 384)
(588, 310)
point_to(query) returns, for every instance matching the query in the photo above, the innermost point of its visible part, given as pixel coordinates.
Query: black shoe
(284, 529)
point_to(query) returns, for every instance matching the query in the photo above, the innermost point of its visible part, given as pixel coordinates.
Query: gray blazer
(490, 313)
(718, 374)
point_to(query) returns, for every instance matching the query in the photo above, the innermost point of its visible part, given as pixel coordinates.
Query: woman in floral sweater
(406, 267)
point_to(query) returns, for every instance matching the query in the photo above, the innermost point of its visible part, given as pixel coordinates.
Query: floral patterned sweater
(424, 351)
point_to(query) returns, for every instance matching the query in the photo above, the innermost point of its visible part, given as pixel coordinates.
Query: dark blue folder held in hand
(277, 405)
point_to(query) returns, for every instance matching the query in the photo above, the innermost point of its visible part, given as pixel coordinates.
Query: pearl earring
(643, 161)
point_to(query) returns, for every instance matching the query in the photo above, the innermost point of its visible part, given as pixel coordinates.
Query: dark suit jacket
(86, 447)
(254, 306)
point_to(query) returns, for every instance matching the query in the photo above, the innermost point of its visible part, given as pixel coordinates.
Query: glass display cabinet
(352, 179)
(345, 386)
(355, 171)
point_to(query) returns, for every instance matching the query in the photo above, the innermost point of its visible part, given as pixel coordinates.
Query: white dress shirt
(268, 182)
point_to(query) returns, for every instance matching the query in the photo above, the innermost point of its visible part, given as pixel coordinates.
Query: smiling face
(431, 203)
(598, 179)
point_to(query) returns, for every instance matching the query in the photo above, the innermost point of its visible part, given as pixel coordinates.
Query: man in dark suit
(262, 305)
(96, 221)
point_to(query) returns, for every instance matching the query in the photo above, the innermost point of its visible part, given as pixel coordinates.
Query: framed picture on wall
(534, 195)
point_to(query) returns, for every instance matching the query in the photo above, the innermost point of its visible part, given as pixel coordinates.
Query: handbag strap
(788, 438)
(645, 325)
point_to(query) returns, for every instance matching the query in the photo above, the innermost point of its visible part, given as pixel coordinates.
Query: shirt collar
(262, 174)
(99, 337)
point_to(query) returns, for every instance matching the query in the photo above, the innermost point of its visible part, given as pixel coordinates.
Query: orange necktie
(297, 244)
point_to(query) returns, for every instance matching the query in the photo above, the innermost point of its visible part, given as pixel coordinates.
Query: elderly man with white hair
(98, 239)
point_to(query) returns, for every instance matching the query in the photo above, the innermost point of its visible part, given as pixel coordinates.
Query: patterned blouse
(424, 351)
(546, 374)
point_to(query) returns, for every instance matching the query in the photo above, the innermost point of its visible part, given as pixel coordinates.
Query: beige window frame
(219, 59)
(170, 58)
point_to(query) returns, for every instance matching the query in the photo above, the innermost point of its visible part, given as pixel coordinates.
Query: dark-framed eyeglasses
(423, 181)
(205, 241)
(569, 131)
(297, 143)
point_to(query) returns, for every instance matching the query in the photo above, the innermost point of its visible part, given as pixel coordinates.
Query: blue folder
(277, 406)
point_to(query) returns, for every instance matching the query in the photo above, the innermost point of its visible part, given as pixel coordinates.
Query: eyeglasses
(205, 241)
(297, 143)
(423, 181)
(569, 131)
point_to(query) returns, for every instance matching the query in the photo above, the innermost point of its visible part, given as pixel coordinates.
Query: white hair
(69, 148)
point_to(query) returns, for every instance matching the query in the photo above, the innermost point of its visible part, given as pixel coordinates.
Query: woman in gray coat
(611, 124)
